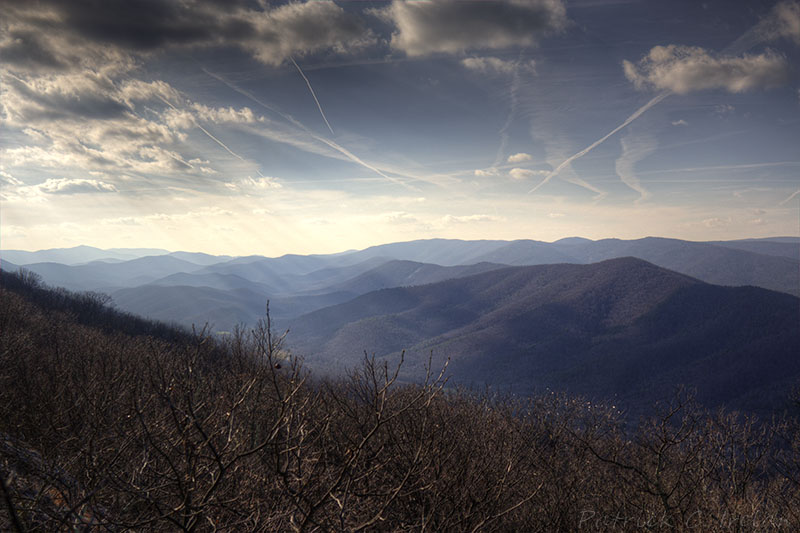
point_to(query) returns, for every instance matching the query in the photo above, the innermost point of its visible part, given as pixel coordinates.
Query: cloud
(224, 114)
(495, 65)
(250, 184)
(788, 17)
(7, 180)
(26, 49)
(486, 173)
(452, 26)
(716, 222)
(89, 32)
(782, 22)
(467, 219)
(399, 217)
(525, 173)
(75, 186)
(519, 158)
(300, 28)
(93, 120)
(723, 110)
(683, 69)
(680, 122)
(9, 186)
(70, 97)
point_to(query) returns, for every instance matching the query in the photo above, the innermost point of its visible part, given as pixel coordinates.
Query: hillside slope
(622, 328)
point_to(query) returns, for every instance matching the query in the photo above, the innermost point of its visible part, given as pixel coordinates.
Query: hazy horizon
(343, 251)
(248, 128)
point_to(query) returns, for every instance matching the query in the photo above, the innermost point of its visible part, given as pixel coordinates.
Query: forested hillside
(621, 330)
(112, 424)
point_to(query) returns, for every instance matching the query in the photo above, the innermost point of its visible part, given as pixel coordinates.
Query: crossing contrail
(310, 88)
(568, 161)
(345, 152)
(222, 144)
(755, 35)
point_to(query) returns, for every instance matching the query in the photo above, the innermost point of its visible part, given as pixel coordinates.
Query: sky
(252, 127)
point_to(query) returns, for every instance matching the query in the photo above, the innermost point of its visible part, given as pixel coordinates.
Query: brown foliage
(103, 430)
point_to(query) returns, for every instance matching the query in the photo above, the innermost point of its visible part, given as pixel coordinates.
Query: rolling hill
(78, 255)
(297, 284)
(622, 328)
(99, 275)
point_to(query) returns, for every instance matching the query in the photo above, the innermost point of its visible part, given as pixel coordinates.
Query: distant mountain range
(622, 329)
(619, 319)
(195, 288)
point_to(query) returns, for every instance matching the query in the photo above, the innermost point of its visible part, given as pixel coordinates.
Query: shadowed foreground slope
(109, 430)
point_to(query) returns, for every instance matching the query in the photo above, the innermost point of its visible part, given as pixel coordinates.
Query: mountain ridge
(578, 328)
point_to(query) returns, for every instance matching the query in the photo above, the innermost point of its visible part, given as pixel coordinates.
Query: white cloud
(519, 158)
(7, 179)
(253, 185)
(224, 114)
(525, 173)
(467, 219)
(75, 186)
(9, 186)
(716, 222)
(399, 217)
(452, 27)
(486, 173)
(95, 122)
(492, 65)
(680, 122)
(683, 69)
(137, 91)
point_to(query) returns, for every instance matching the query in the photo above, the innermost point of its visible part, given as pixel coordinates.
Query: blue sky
(268, 127)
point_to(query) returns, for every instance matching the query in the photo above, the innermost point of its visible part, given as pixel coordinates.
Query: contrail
(222, 144)
(636, 114)
(512, 91)
(349, 155)
(634, 149)
(321, 112)
(249, 95)
(234, 154)
(356, 159)
(750, 38)
(569, 175)
(791, 197)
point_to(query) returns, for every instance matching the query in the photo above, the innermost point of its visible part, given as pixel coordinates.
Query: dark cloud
(24, 49)
(302, 28)
(62, 102)
(452, 26)
(142, 24)
(271, 33)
